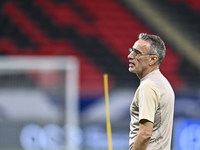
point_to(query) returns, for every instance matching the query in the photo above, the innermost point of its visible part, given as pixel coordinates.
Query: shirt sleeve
(148, 98)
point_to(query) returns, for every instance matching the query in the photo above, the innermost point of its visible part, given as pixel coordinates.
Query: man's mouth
(131, 64)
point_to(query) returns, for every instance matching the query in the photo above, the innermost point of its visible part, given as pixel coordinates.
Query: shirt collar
(149, 74)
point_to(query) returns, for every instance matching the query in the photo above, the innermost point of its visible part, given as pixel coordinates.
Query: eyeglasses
(137, 53)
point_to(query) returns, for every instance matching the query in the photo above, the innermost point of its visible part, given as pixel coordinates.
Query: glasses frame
(137, 53)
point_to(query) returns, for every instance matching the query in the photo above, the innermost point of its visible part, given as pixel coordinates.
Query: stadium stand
(99, 33)
(194, 4)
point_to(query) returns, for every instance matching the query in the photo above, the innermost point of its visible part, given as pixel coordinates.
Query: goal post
(68, 64)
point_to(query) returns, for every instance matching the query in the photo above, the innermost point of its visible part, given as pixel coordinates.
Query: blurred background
(34, 100)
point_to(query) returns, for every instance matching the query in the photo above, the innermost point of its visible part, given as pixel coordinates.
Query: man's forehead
(141, 44)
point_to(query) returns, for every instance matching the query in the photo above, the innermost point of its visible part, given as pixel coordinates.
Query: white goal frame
(68, 63)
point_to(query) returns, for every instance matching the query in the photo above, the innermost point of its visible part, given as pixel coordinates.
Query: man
(152, 107)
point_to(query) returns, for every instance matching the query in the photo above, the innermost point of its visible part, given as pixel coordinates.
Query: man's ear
(153, 60)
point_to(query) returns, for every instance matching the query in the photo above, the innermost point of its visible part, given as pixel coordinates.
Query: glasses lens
(130, 50)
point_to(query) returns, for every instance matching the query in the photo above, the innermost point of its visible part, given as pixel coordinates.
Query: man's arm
(144, 135)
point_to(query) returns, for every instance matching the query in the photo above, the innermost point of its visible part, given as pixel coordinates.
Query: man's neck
(140, 76)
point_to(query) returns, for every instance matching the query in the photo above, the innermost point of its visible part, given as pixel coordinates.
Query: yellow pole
(109, 135)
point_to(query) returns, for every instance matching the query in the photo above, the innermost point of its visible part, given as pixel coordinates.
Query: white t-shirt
(154, 101)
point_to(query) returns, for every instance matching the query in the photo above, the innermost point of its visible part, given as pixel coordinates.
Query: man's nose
(130, 55)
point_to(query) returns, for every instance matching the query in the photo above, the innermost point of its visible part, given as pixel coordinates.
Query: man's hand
(144, 135)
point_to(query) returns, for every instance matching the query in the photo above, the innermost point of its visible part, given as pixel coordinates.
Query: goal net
(39, 103)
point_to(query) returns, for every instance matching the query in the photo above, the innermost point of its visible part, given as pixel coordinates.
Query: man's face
(139, 64)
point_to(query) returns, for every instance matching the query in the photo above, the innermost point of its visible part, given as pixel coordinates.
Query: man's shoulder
(148, 84)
